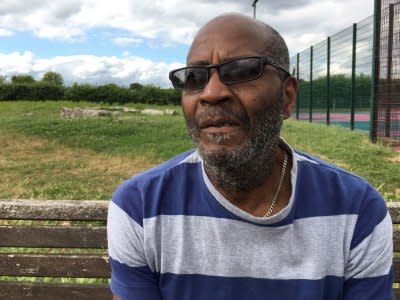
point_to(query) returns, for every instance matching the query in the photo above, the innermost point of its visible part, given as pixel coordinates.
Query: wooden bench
(69, 241)
(64, 235)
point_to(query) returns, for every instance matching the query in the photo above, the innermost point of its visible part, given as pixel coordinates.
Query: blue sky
(125, 41)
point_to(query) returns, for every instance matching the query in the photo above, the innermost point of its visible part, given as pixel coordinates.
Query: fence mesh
(386, 115)
(335, 78)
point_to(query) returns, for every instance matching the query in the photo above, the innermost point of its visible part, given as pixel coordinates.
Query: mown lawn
(47, 157)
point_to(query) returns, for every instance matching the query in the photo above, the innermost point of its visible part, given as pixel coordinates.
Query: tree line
(340, 91)
(51, 87)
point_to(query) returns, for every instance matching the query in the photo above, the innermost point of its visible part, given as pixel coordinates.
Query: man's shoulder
(311, 165)
(334, 190)
(171, 165)
(163, 179)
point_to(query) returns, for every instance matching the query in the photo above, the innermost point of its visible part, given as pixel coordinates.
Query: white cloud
(176, 21)
(5, 32)
(156, 23)
(127, 41)
(89, 68)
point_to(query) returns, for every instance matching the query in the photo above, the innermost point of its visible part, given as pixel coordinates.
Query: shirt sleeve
(131, 277)
(368, 273)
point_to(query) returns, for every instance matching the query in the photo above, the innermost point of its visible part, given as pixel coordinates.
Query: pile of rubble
(71, 113)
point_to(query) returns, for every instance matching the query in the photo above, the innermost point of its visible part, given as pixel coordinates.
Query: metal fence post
(388, 117)
(353, 76)
(298, 89)
(328, 81)
(311, 84)
(375, 71)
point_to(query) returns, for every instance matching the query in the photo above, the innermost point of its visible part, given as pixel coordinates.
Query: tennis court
(362, 121)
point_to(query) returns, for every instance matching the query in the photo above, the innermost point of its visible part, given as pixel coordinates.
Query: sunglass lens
(190, 78)
(241, 70)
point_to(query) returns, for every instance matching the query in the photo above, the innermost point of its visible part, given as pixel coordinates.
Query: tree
(53, 78)
(23, 78)
(2, 79)
(135, 86)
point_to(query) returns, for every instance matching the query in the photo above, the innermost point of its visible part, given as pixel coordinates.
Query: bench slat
(53, 236)
(396, 239)
(46, 291)
(394, 211)
(396, 293)
(79, 210)
(396, 269)
(54, 265)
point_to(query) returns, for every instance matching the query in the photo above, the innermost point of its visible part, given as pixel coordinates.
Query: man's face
(232, 124)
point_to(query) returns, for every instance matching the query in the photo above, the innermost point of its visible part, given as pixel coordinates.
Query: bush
(112, 93)
(35, 91)
(108, 93)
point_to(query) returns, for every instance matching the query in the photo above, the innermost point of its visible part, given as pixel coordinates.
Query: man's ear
(289, 96)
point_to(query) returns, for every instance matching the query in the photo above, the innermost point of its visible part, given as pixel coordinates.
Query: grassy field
(44, 156)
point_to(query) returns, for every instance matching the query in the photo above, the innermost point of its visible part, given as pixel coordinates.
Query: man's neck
(253, 186)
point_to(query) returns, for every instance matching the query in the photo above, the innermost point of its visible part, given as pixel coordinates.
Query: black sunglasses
(230, 72)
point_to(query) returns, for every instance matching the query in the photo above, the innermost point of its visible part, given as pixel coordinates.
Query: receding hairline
(275, 45)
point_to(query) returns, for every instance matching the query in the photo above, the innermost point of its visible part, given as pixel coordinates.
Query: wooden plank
(396, 293)
(53, 236)
(46, 291)
(394, 210)
(396, 269)
(396, 239)
(54, 265)
(79, 210)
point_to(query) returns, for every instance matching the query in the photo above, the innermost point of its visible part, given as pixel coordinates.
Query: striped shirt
(172, 236)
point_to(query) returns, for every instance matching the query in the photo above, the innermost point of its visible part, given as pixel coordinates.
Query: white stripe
(300, 157)
(373, 256)
(307, 249)
(192, 158)
(125, 238)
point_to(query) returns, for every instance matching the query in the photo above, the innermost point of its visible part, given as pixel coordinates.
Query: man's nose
(215, 91)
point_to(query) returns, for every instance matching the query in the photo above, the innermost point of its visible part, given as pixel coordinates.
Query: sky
(126, 41)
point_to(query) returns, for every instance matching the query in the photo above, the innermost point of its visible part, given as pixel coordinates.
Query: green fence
(352, 78)
(386, 106)
(335, 78)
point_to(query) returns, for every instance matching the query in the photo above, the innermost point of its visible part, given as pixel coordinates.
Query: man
(245, 216)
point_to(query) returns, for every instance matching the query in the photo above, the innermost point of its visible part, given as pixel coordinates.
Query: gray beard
(250, 165)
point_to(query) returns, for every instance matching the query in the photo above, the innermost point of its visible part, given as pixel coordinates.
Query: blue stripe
(372, 212)
(370, 288)
(179, 189)
(129, 199)
(192, 287)
(326, 190)
(143, 284)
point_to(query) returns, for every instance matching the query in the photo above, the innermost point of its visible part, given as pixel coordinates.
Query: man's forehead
(234, 39)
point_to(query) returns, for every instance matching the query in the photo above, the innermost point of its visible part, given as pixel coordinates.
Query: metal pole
(311, 83)
(353, 76)
(254, 8)
(328, 82)
(373, 130)
(298, 89)
(388, 93)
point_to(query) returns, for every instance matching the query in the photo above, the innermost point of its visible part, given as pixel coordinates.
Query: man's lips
(219, 125)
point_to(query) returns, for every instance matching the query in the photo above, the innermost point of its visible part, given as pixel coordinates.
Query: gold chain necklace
(283, 171)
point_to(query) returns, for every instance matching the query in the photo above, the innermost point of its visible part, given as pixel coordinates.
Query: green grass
(46, 157)
(157, 136)
(351, 150)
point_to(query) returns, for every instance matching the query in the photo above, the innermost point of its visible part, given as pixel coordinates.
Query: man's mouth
(219, 125)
